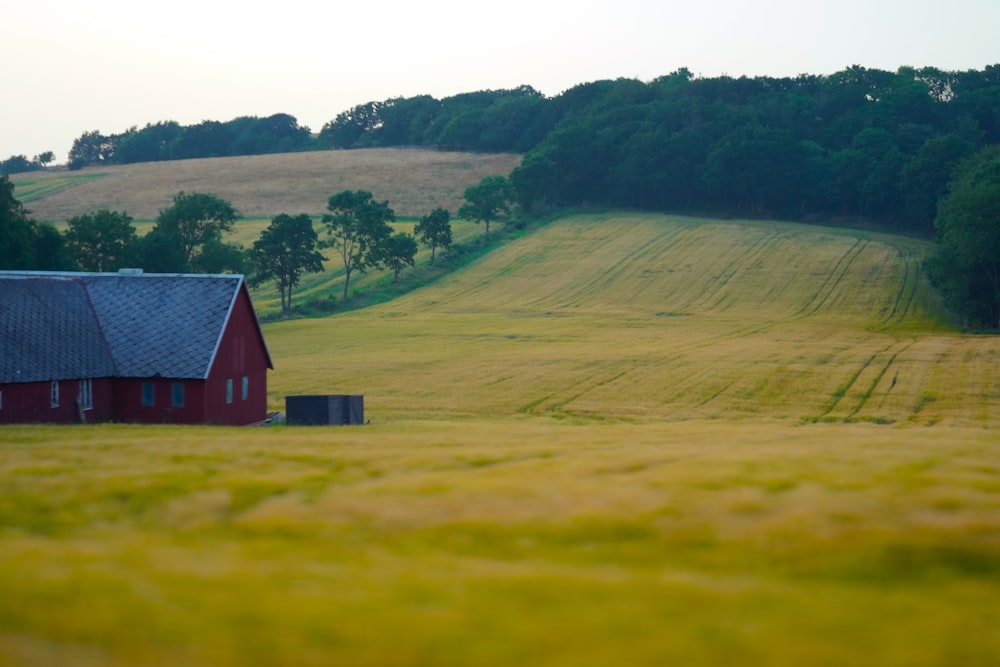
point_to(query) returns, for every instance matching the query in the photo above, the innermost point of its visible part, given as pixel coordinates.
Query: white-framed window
(148, 394)
(86, 394)
(229, 391)
(54, 393)
(246, 387)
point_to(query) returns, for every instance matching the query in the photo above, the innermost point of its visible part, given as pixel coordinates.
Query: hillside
(261, 186)
(618, 439)
(640, 316)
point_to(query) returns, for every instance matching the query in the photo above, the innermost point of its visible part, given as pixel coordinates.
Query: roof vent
(130, 272)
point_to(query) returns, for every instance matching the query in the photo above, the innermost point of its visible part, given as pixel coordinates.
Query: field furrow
(657, 317)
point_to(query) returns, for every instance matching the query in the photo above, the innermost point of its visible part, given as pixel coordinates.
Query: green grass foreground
(497, 542)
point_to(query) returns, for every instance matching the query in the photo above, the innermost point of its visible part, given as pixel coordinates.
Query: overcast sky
(71, 66)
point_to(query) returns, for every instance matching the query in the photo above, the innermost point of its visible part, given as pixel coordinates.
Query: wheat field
(632, 316)
(413, 181)
(618, 439)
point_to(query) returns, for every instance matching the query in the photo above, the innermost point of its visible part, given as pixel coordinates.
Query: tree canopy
(966, 266)
(24, 243)
(102, 241)
(434, 230)
(487, 201)
(194, 224)
(358, 228)
(285, 251)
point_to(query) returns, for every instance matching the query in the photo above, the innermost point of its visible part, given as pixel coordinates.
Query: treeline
(861, 143)
(188, 237)
(246, 135)
(17, 164)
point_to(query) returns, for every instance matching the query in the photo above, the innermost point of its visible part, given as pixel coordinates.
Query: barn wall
(31, 402)
(129, 408)
(241, 354)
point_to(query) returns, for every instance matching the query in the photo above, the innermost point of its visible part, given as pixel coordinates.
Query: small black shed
(325, 410)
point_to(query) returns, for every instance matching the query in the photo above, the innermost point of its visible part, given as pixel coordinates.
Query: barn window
(54, 391)
(229, 391)
(86, 395)
(246, 387)
(148, 394)
(177, 394)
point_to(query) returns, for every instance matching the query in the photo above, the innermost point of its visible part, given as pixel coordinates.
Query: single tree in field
(358, 227)
(195, 221)
(44, 158)
(102, 241)
(966, 265)
(487, 201)
(434, 230)
(399, 252)
(284, 251)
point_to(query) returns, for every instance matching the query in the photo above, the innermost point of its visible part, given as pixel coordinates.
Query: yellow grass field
(618, 440)
(414, 181)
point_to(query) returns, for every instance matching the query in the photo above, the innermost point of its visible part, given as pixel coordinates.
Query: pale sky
(70, 66)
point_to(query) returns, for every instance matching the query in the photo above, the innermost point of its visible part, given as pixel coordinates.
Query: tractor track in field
(835, 277)
(668, 241)
(560, 404)
(878, 379)
(841, 392)
(761, 248)
(908, 287)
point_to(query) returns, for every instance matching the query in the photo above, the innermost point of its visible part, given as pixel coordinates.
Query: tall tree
(966, 266)
(358, 227)
(195, 221)
(102, 241)
(285, 251)
(487, 201)
(434, 230)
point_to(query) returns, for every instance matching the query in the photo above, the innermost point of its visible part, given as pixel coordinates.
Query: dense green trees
(246, 135)
(17, 231)
(17, 164)
(24, 243)
(966, 265)
(187, 236)
(284, 251)
(102, 241)
(857, 143)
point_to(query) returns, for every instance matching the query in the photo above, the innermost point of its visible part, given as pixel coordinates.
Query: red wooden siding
(129, 408)
(241, 354)
(31, 402)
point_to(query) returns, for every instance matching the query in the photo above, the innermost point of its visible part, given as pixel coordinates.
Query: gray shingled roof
(66, 325)
(162, 324)
(48, 331)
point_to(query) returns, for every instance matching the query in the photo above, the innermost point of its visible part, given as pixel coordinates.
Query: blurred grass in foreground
(491, 542)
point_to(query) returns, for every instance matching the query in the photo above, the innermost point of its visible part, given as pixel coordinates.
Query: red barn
(130, 347)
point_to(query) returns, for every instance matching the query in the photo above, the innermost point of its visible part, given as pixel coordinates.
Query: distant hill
(413, 180)
(638, 316)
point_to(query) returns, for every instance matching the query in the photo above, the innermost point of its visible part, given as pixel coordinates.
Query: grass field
(619, 439)
(262, 186)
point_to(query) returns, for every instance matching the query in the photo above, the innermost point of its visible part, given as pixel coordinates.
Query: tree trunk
(347, 281)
